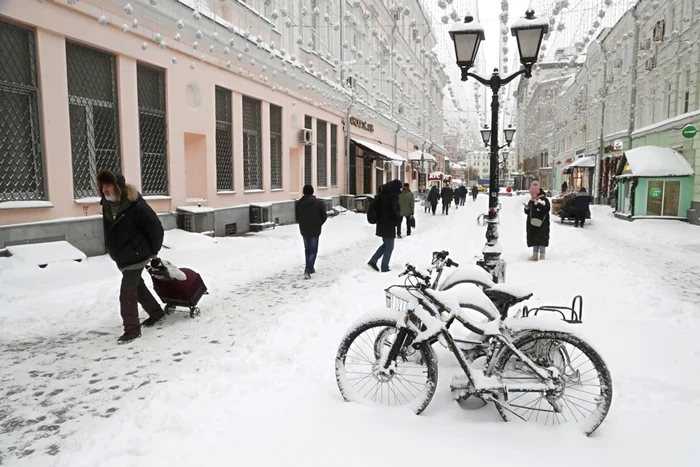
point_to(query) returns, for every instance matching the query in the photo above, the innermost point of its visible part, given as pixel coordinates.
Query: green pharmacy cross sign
(689, 131)
(655, 192)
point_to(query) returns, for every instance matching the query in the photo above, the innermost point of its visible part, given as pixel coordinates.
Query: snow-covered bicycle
(534, 369)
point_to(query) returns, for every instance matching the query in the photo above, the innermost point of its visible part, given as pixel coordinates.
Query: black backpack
(372, 212)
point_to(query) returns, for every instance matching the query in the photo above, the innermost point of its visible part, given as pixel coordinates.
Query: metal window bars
(275, 147)
(321, 154)
(152, 130)
(21, 150)
(252, 151)
(224, 140)
(334, 155)
(307, 155)
(93, 115)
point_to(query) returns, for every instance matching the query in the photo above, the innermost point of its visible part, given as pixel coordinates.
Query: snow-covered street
(251, 380)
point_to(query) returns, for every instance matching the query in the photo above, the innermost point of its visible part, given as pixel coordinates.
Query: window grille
(21, 154)
(275, 147)
(224, 140)
(334, 155)
(307, 154)
(252, 151)
(152, 130)
(93, 115)
(321, 154)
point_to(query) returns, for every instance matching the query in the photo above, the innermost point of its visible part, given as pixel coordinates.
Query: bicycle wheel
(412, 382)
(586, 392)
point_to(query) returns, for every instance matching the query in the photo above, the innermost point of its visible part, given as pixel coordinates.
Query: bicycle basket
(395, 303)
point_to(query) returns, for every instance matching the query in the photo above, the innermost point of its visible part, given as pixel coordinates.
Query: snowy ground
(251, 381)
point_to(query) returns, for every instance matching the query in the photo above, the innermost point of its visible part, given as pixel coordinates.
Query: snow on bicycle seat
(468, 273)
(469, 297)
(507, 293)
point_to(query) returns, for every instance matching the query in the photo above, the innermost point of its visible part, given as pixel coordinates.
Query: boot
(541, 256)
(534, 257)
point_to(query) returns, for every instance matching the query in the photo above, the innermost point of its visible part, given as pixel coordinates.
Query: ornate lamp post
(467, 37)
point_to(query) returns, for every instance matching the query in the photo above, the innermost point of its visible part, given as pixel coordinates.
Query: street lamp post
(467, 37)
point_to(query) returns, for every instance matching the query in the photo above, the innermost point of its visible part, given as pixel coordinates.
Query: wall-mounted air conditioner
(306, 137)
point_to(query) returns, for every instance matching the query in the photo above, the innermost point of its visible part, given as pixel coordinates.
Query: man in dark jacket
(462, 195)
(133, 236)
(475, 192)
(433, 198)
(446, 194)
(582, 204)
(311, 215)
(388, 215)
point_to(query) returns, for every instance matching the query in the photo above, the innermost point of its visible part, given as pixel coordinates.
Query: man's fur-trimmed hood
(123, 189)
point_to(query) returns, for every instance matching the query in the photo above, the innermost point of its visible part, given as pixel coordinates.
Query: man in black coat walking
(388, 215)
(462, 195)
(582, 204)
(133, 236)
(446, 194)
(311, 215)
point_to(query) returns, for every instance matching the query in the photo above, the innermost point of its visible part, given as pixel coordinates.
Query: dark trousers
(446, 208)
(310, 251)
(384, 252)
(134, 291)
(408, 225)
(462, 200)
(474, 196)
(434, 207)
(580, 218)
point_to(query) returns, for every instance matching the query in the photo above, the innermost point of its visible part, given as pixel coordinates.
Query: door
(672, 198)
(625, 189)
(367, 166)
(655, 193)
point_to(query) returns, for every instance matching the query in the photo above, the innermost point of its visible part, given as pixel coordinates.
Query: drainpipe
(342, 3)
(396, 142)
(604, 95)
(635, 59)
(347, 145)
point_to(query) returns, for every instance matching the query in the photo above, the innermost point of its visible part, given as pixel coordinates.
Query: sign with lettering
(361, 124)
(689, 131)
(655, 192)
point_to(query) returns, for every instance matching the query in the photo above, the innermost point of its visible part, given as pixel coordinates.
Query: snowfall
(251, 380)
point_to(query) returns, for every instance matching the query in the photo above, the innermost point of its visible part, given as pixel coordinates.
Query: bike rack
(575, 310)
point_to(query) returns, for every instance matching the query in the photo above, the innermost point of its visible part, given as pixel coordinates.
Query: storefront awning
(655, 161)
(378, 149)
(584, 162)
(416, 156)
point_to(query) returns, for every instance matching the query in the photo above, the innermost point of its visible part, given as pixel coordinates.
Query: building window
(313, 30)
(224, 140)
(152, 130)
(21, 155)
(321, 154)
(334, 155)
(275, 147)
(252, 150)
(307, 154)
(93, 115)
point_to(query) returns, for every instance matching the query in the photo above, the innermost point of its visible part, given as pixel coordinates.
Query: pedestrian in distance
(433, 198)
(463, 194)
(388, 213)
(311, 215)
(475, 192)
(407, 206)
(537, 226)
(582, 204)
(564, 187)
(133, 236)
(455, 194)
(446, 194)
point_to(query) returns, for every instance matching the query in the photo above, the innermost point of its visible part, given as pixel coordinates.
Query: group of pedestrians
(447, 195)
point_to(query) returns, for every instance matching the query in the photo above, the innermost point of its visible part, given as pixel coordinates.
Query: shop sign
(689, 131)
(569, 160)
(655, 192)
(617, 146)
(361, 124)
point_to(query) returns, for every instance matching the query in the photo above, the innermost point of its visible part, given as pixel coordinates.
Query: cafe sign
(361, 124)
(689, 131)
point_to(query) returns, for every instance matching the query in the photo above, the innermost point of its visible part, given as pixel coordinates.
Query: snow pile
(654, 161)
(43, 254)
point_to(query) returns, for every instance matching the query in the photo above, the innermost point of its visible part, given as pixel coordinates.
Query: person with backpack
(386, 214)
(311, 215)
(407, 205)
(433, 198)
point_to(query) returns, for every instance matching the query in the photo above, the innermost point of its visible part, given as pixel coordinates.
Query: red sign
(569, 160)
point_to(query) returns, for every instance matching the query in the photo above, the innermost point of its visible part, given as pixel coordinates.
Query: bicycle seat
(506, 294)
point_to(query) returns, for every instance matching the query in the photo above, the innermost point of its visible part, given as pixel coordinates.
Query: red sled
(177, 293)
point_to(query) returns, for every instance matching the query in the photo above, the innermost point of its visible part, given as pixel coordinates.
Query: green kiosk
(654, 183)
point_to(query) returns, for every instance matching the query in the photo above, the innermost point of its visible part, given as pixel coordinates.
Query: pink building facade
(91, 87)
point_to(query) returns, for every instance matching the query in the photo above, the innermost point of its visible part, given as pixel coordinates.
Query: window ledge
(253, 191)
(89, 200)
(25, 204)
(156, 197)
(322, 187)
(277, 190)
(226, 192)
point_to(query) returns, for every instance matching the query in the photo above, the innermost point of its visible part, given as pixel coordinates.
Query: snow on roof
(655, 161)
(583, 162)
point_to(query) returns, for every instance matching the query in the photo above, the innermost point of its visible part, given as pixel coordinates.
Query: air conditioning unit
(306, 137)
